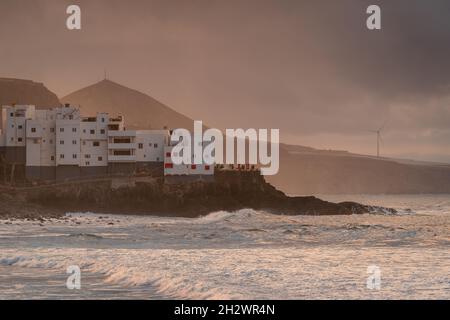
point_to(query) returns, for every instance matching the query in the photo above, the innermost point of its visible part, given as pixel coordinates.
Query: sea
(245, 254)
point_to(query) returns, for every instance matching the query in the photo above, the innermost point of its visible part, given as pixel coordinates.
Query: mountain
(21, 91)
(305, 171)
(140, 110)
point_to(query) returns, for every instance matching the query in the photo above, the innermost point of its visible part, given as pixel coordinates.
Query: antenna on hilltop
(379, 139)
(104, 74)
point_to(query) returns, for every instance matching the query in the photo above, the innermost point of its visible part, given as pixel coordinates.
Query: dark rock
(231, 190)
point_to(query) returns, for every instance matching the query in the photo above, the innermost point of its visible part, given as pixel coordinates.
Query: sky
(310, 68)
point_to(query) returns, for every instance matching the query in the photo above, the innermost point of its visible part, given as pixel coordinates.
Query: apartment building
(139, 150)
(60, 144)
(94, 145)
(13, 134)
(41, 145)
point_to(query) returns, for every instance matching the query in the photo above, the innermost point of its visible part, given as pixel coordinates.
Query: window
(122, 153)
(61, 129)
(74, 129)
(96, 144)
(51, 141)
(84, 130)
(155, 145)
(71, 117)
(103, 119)
(206, 167)
(19, 127)
(149, 144)
(12, 139)
(12, 126)
(74, 141)
(61, 142)
(52, 158)
(122, 140)
(19, 139)
(87, 156)
(100, 158)
(74, 156)
(102, 131)
(92, 131)
(61, 156)
(11, 114)
(52, 129)
(36, 141)
(168, 154)
(168, 165)
(193, 167)
(88, 163)
(141, 145)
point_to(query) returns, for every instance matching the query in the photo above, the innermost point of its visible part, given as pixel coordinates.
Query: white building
(136, 149)
(150, 145)
(13, 137)
(94, 143)
(59, 143)
(194, 170)
(40, 145)
(14, 124)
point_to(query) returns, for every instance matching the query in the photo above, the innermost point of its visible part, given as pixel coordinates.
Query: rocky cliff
(230, 191)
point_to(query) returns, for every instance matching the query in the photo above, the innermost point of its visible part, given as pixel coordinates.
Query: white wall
(41, 139)
(150, 145)
(94, 141)
(115, 147)
(67, 136)
(14, 124)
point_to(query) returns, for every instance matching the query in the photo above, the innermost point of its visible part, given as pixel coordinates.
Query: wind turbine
(379, 139)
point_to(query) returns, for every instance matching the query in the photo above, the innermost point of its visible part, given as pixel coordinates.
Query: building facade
(60, 144)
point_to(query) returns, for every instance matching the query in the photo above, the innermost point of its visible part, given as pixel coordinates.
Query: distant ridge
(140, 110)
(303, 170)
(22, 91)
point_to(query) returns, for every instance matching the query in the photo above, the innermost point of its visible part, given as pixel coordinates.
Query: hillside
(335, 172)
(26, 92)
(140, 110)
(303, 170)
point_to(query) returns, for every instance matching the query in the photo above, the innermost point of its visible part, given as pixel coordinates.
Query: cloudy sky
(310, 68)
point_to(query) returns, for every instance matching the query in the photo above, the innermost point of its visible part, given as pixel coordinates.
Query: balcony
(121, 146)
(124, 133)
(121, 158)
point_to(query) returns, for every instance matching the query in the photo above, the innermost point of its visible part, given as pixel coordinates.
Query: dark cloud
(310, 68)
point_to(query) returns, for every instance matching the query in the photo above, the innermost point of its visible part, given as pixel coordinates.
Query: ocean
(245, 254)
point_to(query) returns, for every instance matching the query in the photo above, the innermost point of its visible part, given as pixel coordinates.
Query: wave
(117, 267)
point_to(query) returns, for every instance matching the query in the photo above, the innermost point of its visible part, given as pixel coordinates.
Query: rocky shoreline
(229, 192)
